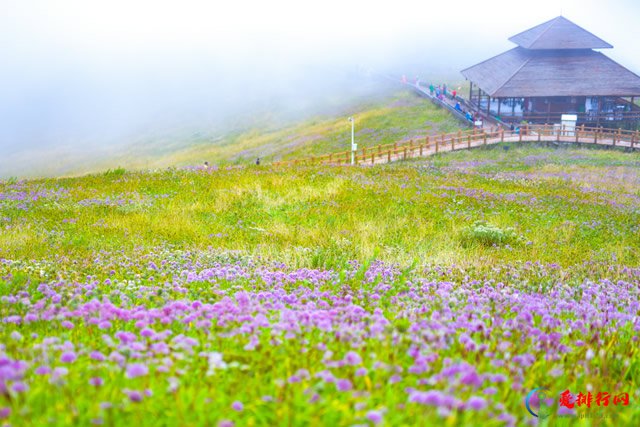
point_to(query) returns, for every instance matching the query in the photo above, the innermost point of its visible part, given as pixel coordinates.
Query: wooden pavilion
(553, 71)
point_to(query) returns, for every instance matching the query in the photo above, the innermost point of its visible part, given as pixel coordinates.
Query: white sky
(241, 27)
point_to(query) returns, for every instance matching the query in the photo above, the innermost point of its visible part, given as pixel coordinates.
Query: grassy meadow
(431, 292)
(383, 115)
(388, 118)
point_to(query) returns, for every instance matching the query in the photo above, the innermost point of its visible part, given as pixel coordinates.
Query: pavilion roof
(558, 33)
(522, 72)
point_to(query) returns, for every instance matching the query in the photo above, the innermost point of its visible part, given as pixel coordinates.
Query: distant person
(431, 89)
(258, 161)
(206, 165)
(454, 93)
(457, 107)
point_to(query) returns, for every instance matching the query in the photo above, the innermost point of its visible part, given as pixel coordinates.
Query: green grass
(403, 211)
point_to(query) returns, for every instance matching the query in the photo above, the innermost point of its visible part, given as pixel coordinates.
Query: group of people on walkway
(441, 92)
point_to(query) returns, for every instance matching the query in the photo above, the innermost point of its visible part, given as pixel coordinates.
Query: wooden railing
(554, 117)
(432, 144)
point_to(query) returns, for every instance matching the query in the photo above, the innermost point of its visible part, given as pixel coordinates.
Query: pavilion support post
(488, 105)
(548, 110)
(471, 92)
(499, 104)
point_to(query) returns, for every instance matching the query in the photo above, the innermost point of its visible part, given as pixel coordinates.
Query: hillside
(270, 130)
(436, 291)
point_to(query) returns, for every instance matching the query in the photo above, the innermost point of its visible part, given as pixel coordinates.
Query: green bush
(485, 234)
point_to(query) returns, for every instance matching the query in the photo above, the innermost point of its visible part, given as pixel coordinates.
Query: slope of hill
(439, 291)
(383, 115)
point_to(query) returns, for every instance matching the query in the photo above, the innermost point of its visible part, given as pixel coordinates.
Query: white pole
(353, 141)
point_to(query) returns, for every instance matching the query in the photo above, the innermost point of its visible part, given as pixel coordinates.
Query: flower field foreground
(426, 293)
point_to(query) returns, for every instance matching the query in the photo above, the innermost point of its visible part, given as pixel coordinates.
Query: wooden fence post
(501, 135)
(484, 137)
(520, 135)
(436, 138)
(373, 158)
(405, 153)
(420, 150)
(468, 140)
(442, 139)
(389, 156)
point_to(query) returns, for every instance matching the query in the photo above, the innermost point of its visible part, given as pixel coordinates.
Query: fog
(82, 78)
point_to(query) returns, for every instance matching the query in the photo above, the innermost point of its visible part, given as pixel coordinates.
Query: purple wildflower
(476, 403)
(352, 358)
(67, 324)
(374, 416)
(134, 395)
(237, 406)
(68, 357)
(4, 413)
(344, 385)
(135, 370)
(43, 370)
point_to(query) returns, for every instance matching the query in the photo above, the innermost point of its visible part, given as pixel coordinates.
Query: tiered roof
(554, 59)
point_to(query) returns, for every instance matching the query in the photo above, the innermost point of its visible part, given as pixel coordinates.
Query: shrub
(486, 234)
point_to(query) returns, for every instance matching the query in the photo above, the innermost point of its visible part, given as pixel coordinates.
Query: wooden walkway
(433, 144)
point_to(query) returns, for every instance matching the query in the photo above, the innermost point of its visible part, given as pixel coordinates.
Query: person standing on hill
(431, 89)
